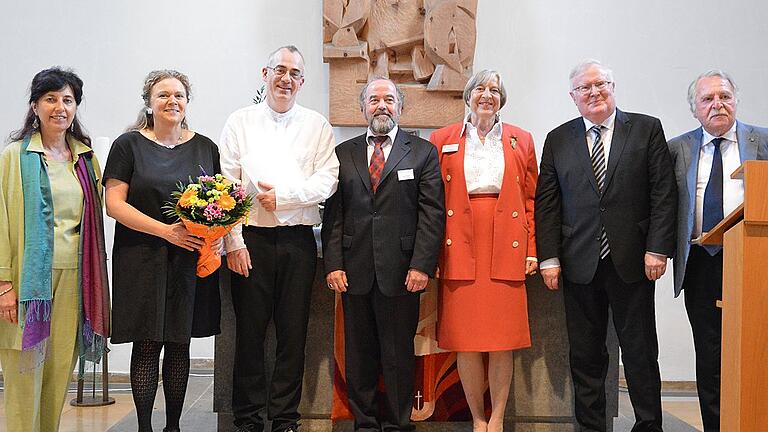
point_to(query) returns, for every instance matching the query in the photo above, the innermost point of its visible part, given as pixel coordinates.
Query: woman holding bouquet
(159, 302)
(54, 298)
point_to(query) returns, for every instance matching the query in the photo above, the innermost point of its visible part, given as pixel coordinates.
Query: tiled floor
(681, 413)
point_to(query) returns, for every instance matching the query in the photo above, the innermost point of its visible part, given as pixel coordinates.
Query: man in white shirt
(283, 154)
(704, 160)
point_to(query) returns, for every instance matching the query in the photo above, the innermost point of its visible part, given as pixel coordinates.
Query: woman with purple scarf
(54, 298)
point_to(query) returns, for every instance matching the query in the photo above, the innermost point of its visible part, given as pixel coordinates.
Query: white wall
(655, 47)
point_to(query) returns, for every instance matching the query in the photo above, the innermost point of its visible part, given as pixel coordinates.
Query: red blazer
(514, 234)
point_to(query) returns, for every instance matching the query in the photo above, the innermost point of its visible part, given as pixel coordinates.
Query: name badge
(406, 174)
(450, 148)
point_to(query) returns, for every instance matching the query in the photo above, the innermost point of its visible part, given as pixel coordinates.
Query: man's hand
(551, 277)
(239, 261)
(337, 281)
(8, 304)
(655, 266)
(267, 199)
(416, 280)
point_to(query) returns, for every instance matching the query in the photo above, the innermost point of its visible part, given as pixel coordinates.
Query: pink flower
(238, 193)
(212, 212)
(206, 178)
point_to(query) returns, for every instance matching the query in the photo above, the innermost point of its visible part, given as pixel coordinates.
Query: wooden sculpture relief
(426, 46)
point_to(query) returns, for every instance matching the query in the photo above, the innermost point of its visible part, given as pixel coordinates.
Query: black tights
(145, 359)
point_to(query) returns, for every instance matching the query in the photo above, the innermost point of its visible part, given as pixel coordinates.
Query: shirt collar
(280, 117)
(706, 137)
(607, 123)
(76, 146)
(468, 126)
(392, 134)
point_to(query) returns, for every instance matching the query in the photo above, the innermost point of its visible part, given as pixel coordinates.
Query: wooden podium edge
(715, 236)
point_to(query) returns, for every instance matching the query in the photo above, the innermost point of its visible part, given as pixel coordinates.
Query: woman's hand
(178, 235)
(530, 267)
(8, 304)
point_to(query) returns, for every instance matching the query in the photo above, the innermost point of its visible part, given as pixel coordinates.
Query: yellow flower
(226, 202)
(188, 198)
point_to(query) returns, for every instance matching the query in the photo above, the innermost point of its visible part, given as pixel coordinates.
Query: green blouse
(67, 212)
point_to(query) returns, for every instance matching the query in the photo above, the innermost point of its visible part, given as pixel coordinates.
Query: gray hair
(481, 78)
(710, 73)
(272, 59)
(364, 91)
(145, 120)
(586, 64)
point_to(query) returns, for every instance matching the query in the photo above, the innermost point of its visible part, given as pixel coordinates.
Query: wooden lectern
(744, 236)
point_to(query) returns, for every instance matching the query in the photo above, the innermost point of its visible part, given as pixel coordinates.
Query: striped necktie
(598, 165)
(377, 161)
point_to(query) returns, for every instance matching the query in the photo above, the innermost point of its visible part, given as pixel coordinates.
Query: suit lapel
(691, 151)
(747, 142)
(360, 159)
(400, 148)
(581, 152)
(621, 127)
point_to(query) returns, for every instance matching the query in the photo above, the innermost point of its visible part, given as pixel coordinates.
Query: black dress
(155, 292)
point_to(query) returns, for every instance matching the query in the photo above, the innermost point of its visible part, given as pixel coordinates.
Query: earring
(35, 123)
(149, 111)
(72, 126)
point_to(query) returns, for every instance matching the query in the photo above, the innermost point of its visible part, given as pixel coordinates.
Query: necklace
(170, 146)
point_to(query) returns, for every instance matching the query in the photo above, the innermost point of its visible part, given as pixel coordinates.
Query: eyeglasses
(281, 70)
(587, 88)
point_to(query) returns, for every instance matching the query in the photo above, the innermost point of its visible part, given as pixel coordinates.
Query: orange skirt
(485, 314)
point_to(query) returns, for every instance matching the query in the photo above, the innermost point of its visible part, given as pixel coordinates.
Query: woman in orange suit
(489, 171)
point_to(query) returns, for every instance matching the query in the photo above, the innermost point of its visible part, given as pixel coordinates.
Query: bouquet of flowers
(209, 208)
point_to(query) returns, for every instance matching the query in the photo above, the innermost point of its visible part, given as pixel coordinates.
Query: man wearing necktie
(605, 216)
(382, 232)
(704, 159)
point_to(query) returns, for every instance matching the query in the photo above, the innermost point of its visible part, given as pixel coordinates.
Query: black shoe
(288, 428)
(171, 430)
(249, 427)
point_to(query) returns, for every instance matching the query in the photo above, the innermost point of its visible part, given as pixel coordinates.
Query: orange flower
(188, 198)
(226, 202)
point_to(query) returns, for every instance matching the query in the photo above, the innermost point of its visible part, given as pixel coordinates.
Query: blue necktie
(713, 196)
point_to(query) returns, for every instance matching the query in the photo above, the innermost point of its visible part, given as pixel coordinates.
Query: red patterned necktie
(377, 161)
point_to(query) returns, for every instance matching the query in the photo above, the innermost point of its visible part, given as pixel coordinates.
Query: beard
(381, 123)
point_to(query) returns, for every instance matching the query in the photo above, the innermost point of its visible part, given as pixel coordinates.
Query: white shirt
(293, 151)
(386, 146)
(733, 189)
(606, 133)
(483, 162)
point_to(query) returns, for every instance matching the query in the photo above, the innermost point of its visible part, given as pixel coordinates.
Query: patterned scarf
(36, 289)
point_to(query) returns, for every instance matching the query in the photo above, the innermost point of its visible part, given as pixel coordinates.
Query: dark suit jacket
(685, 149)
(637, 207)
(400, 227)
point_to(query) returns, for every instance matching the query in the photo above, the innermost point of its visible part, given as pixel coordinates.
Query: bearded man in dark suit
(382, 232)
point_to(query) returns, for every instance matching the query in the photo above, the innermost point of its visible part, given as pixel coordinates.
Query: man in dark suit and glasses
(704, 159)
(382, 232)
(605, 215)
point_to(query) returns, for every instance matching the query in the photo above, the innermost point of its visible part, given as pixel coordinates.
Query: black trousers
(278, 288)
(703, 286)
(378, 337)
(632, 305)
